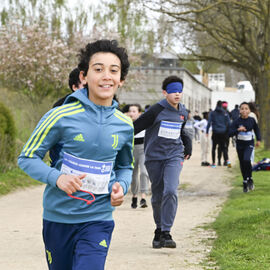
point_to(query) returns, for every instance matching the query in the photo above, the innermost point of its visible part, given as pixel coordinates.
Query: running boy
(94, 166)
(166, 145)
(242, 128)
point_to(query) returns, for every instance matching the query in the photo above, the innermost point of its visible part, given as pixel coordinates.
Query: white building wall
(196, 96)
(232, 98)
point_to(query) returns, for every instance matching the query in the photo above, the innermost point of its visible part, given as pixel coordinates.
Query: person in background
(254, 113)
(146, 107)
(166, 146)
(201, 126)
(220, 121)
(141, 182)
(225, 152)
(197, 118)
(74, 83)
(125, 109)
(235, 113)
(242, 128)
(189, 126)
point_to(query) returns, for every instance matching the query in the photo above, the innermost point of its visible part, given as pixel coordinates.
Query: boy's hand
(117, 195)
(258, 143)
(70, 183)
(187, 157)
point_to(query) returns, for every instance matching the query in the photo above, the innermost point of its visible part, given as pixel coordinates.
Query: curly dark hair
(171, 79)
(103, 45)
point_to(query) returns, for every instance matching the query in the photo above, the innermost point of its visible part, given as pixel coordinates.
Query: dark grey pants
(164, 178)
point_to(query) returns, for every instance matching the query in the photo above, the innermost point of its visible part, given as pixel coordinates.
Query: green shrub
(7, 138)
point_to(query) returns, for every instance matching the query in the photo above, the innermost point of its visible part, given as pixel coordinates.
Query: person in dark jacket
(219, 120)
(74, 83)
(166, 145)
(242, 128)
(235, 113)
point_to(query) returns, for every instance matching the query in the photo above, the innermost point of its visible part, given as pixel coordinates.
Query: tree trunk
(263, 99)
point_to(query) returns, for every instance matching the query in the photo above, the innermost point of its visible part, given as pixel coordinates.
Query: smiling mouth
(106, 86)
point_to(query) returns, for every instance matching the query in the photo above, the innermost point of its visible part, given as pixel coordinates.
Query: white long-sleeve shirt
(201, 125)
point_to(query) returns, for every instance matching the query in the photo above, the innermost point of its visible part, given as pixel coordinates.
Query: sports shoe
(143, 203)
(156, 243)
(134, 203)
(207, 163)
(166, 240)
(245, 186)
(229, 165)
(250, 184)
(213, 165)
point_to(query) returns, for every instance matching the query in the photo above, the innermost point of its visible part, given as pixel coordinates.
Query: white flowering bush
(33, 61)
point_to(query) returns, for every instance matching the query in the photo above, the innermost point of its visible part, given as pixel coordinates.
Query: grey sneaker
(166, 240)
(156, 241)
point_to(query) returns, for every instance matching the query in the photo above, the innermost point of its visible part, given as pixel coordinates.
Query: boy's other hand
(117, 195)
(70, 183)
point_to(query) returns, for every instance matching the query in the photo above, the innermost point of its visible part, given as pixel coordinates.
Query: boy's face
(133, 112)
(103, 77)
(173, 98)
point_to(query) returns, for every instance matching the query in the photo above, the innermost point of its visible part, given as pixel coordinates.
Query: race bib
(98, 173)
(169, 130)
(188, 125)
(245, 136)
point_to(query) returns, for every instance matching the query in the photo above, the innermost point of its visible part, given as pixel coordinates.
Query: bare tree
(230, 32)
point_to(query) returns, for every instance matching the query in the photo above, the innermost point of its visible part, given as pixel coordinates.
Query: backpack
(263, 165)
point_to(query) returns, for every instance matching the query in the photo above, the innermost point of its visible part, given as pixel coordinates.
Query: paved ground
(202, 193)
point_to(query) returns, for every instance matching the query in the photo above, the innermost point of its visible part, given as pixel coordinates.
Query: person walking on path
(166, 146)
(220, 122)
(235, 113)
(227, 141)
(94, 166)
(141, 182)
(243, 128)
(189, 126)
(197, 118)
(201, 126)
(254, 113)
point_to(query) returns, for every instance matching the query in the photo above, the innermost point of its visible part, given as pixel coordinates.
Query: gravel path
(201, 196)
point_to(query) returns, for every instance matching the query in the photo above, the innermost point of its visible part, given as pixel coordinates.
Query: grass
(243, 226)
(14, 179)
(26, 116)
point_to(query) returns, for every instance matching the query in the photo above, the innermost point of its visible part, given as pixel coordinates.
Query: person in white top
(135, 110)
(254, 114)
(201, 127)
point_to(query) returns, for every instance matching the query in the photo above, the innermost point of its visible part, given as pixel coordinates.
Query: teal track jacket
(86, 131)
